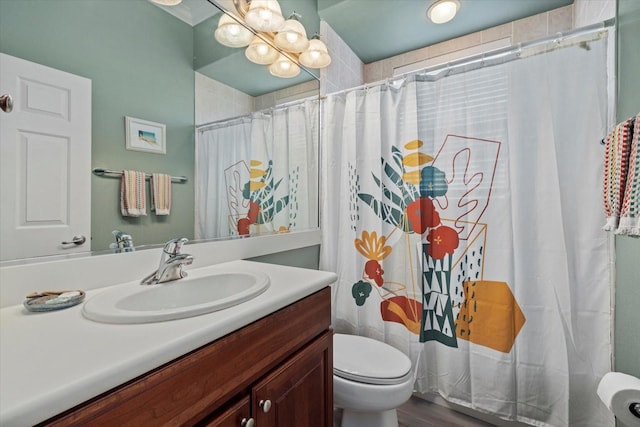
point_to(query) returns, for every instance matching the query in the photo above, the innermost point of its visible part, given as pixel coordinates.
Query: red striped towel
(161, 193)
(630, 207)
(133, 197)
(616, 166)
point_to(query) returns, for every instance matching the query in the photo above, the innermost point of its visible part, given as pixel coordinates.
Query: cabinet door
(238, 415)
(299, 392)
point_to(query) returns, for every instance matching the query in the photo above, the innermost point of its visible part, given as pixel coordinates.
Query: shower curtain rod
(498, 56)
(293, 103)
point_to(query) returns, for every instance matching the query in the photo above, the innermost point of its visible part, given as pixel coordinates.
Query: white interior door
(45, 159)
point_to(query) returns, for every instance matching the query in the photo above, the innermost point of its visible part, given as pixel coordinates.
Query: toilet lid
(369, 361)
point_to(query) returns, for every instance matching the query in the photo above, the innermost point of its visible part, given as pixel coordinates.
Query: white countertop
(50, 362)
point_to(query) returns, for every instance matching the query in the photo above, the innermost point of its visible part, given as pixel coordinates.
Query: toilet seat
(368, 361)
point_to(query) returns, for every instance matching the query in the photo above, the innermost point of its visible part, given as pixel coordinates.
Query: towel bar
(116, 174)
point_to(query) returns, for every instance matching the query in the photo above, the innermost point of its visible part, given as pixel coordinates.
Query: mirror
(146, 64)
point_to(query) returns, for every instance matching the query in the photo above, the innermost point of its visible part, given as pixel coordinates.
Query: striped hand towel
(133, 197)
(630, 207)
(616, 166)
(161, 193)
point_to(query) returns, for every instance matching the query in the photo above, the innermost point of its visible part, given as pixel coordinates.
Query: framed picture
(142, 135)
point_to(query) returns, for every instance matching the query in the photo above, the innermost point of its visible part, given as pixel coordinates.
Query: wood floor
(420, 413)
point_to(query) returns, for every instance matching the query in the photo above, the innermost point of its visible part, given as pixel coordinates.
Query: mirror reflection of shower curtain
(258, 174)
(463, 217)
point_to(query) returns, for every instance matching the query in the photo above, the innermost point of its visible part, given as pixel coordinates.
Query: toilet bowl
(370, 380)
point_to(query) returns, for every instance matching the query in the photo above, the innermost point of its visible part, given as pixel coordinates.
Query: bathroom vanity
(277, 371)
(265, 362)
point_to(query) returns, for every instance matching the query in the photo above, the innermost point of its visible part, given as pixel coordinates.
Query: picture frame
(143, 135)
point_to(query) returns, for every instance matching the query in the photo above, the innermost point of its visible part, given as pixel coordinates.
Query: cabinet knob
(265, 405)
(247, 422)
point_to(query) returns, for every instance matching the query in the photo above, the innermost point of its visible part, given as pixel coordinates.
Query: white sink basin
(191, 296)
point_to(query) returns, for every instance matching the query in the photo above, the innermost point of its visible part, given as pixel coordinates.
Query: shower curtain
(463, 217)
(258, 174)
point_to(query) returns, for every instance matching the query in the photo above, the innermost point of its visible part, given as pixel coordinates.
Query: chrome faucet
(124, 242)
(171, 263)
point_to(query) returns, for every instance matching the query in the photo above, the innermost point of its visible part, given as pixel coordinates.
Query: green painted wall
(140, 61)
(308, 257)
(627, 321)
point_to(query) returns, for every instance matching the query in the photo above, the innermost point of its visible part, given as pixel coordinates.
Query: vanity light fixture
(231, 33)
(292, 37)
(442, 11)
(167, 2)
(264, 15)
(284, 67)
(261, 52)
(269, 33)
(316, 55)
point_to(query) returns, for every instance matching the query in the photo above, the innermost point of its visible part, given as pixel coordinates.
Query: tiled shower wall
(345, 70)
(209, 92)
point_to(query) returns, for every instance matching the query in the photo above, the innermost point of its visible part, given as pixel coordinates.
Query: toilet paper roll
(621, 393)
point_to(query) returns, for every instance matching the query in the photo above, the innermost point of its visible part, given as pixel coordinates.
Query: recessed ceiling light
(442, 11)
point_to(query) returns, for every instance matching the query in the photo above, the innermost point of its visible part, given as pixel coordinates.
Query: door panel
(45, 151)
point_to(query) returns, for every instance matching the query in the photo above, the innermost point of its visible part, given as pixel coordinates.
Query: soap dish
(53, 300)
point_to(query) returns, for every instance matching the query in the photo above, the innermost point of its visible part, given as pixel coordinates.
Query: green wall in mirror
(141, 62)
(139, 59)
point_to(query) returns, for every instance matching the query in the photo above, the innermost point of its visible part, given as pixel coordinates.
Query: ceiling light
(231, 33)
(260, 52)
(284, 67)
(167, 2)
(442, 11)
(264, 15)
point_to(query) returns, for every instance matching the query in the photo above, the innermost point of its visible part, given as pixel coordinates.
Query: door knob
(265, 405)
(247, 422)
(6, 103)
(77, 240)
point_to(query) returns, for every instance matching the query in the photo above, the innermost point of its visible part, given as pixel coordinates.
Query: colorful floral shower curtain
(258, 174)
(462, 215)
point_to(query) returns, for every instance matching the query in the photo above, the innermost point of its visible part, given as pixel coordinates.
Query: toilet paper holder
(634, 408)
(620, 392)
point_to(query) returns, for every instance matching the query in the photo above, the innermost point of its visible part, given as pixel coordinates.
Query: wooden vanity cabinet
(295, 394)
(238, 415)
(277, 371)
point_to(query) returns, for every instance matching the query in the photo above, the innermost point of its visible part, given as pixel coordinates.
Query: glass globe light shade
(316, 55)
(167, 2)
(231, 33)
(284, 67)
(292, 37)
(264, 15)
(259, 52)
(443, 11)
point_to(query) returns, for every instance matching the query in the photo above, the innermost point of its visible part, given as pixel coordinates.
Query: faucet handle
(173, 247)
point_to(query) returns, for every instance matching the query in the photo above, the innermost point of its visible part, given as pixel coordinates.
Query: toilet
(370, 380)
